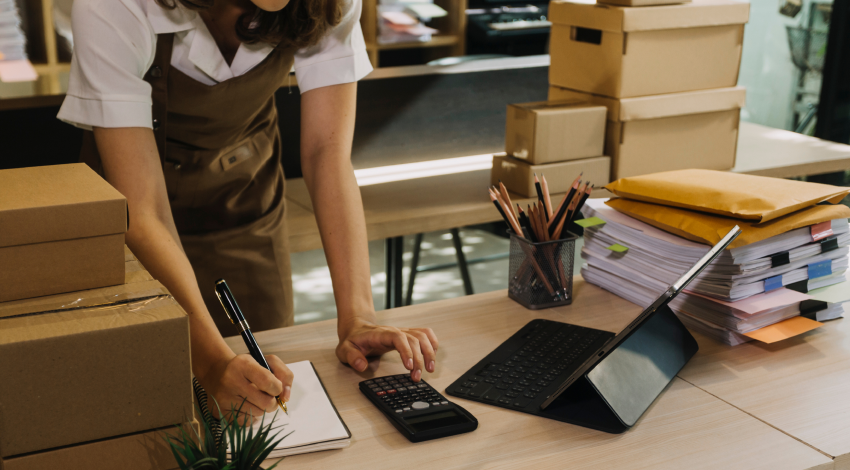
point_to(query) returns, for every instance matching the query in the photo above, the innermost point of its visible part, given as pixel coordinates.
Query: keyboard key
(511, 395)
(462, 390)
(504, 401)
(529, 394)
(480, 390)
(469, 384)
(475, 378)
(492, 395)
(502, 386)
(521, 402)
(490, 380)
(517, 388)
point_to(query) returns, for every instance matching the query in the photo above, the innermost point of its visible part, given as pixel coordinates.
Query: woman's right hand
(241, 379)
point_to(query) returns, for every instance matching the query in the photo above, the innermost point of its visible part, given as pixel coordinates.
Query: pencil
(582, 201)
(539, 192)
(499, 207)
(547, 199)
(572, 209)
(562, 209)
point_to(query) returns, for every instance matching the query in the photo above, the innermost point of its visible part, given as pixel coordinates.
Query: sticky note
(783, 330)
(820, 269)
(821, 230)
(590, 222)
(616, 247)
(772, 283)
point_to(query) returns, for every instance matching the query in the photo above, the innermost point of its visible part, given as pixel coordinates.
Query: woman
(178, 95)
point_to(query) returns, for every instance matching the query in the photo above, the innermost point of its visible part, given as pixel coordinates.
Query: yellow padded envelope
(757, 198)
(709, 229)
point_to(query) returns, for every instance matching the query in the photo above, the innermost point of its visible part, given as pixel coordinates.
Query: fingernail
(417, 374)
(431, 366)
(409, 364)
(286, 391)
(359, 365)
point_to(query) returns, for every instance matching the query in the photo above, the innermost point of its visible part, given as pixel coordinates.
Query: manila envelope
(758, 198)
(709, 229)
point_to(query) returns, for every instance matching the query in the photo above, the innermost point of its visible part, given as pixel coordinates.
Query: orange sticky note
(784, 329)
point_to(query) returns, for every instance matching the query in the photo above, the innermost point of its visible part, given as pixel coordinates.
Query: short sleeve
(340, 57)
(114, 45)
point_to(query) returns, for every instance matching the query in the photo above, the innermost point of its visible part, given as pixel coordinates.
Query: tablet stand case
(616, 393)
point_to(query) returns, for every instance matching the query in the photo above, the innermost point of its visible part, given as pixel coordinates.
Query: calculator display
(435, 420)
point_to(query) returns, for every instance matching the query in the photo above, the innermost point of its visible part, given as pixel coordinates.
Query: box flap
(59, 202)
(699, 13)
(677, 104)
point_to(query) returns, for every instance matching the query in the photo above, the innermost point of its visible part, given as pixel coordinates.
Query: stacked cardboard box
(666, 73)
(558, 139)
(94, 377)
(94, 353)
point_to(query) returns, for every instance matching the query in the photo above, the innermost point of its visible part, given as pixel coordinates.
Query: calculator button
(374, 386)
(436, 403)
(401, 389)
(419, 405)
(406, 408)
(392, 391)
(379, 380)
(382, 393)
(423, 385)
(444, 402)
(369, 382)
(398, 411)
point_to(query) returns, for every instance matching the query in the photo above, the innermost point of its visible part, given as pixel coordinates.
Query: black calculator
(418, 411)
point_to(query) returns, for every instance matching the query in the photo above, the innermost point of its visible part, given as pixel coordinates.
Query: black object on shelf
(514, 29)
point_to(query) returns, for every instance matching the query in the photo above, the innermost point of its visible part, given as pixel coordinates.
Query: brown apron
(220, 150)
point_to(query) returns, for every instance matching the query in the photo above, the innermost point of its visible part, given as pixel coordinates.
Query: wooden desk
(800, 386)
(685, 428)
(444, 202)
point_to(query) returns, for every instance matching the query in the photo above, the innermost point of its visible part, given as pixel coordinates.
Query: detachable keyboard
(524, 370)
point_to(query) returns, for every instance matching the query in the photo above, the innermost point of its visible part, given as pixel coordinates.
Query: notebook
(313, 423)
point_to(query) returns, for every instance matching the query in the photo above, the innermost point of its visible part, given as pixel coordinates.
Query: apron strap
(157, 76)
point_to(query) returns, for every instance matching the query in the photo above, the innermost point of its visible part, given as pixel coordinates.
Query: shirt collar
(164, 21)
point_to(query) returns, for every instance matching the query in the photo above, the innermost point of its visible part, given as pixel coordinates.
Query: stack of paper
(739, 294)
(12, 40)
(402, 21)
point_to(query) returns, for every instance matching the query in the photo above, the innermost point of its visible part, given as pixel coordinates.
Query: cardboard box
(91, 365)
(554, 131)
(624, 52)
(697, 129)
(518, 176)
(61, 230)
(139, 451)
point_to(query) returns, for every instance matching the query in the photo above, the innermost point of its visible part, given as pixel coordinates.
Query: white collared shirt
(115, 44)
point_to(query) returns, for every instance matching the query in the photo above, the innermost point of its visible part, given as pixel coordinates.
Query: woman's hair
(300, 24)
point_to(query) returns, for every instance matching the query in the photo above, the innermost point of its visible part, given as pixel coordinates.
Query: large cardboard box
(624, 52)
(518, 176)
(697, 129)
(91, 365)
(139, 451)
(61, 230)
(554, 131)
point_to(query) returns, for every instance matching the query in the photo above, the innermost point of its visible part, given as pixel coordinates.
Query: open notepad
(313, 423)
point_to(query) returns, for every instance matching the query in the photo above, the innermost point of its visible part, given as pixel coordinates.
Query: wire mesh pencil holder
(541, 274)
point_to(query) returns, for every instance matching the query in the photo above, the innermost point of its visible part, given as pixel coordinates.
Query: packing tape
(820, 269)
(829, 244)
(772, 283)
(134, 304)
(780, 259)
(810, 308)
(821, 230)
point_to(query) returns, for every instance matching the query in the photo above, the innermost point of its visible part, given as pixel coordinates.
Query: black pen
(234, 314)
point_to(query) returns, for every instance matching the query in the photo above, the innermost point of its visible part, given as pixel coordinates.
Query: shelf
(436, 41)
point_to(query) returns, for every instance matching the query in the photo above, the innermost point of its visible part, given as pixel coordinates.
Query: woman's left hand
(361, 338)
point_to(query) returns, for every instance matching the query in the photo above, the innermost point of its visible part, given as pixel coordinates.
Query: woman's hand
(361, 338)
(241, 379)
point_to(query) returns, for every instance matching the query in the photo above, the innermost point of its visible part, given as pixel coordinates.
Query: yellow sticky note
(616, 247)
(590, 222)
(784, 329)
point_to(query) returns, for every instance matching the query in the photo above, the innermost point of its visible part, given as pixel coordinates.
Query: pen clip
(218, 294)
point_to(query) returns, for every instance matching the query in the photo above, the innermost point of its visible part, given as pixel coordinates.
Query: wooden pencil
(547, 199)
